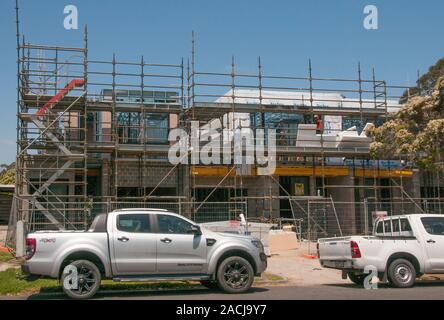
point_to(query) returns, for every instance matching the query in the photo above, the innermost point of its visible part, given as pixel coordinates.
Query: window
(135, 223)
(395, 225)
(128, 192)
(434, 226)
(128, 127)
(405, 225)
(286, 125)
(406, 229)
(387, 226)
(156, 128)
(379, 228)
(172, 224)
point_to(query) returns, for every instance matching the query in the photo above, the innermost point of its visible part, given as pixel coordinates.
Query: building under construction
(93, 135)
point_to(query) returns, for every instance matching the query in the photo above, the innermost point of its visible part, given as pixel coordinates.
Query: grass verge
(5, 256)
(109, 285)
(12, 282)
(270, 277)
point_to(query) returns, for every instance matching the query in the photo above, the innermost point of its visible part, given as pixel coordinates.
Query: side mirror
(195, 229)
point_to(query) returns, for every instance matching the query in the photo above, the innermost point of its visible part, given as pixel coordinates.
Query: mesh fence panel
(326, 218)
(197, 211)
(218, 211)
(317, 218)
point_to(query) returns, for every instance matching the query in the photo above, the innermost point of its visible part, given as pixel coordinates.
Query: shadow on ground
(128, 294)
(419, 284)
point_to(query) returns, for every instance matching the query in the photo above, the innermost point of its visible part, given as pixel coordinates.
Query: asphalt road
(433, 290)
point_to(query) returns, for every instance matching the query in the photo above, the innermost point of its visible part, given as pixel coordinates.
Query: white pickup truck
(402, 249)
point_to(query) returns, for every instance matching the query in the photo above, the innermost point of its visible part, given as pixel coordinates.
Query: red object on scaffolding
(319, 125)
(60, 95)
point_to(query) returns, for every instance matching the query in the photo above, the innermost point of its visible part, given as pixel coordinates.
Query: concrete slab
(301, 271)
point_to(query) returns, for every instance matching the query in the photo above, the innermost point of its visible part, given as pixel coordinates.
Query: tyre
(402, 274)
(235, 275)
(209, 284)
(88, 280)
(357, 278)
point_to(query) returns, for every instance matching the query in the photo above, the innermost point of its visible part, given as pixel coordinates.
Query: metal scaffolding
(77, 114)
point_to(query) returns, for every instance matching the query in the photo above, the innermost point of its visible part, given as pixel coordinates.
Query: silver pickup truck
(142, 245)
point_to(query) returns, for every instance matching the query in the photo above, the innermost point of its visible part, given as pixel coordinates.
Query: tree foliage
(415, 131)
(7, 174)
(426, 83)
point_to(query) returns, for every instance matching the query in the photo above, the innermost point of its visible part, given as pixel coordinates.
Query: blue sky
(284, 33)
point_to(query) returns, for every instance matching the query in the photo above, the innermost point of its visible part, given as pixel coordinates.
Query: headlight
(258, 244)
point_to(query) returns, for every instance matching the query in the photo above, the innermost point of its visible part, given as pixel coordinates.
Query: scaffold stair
(51, 132)
(60, 95)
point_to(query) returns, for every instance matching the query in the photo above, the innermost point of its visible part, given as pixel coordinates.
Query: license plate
(340, 264)
(335, 264)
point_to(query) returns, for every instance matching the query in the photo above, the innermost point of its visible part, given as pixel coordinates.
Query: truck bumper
(261, 264)
(337, 264)
(32, 267)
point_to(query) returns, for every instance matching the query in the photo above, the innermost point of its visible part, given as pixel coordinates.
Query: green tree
(426, 83)
(416, 131)
(7, 174)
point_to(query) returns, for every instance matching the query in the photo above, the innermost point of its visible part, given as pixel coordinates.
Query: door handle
(431, 241)
(123, 239)
(166, 240)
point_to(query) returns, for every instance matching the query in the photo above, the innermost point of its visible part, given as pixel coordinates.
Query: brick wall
(129, 174)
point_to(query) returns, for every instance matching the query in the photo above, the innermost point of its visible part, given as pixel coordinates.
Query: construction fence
(311, 218)
(327, 218)
(77, 215)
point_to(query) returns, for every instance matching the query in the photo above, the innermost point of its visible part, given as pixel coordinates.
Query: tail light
(355, 251)
(31, 245)
(317, 250)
